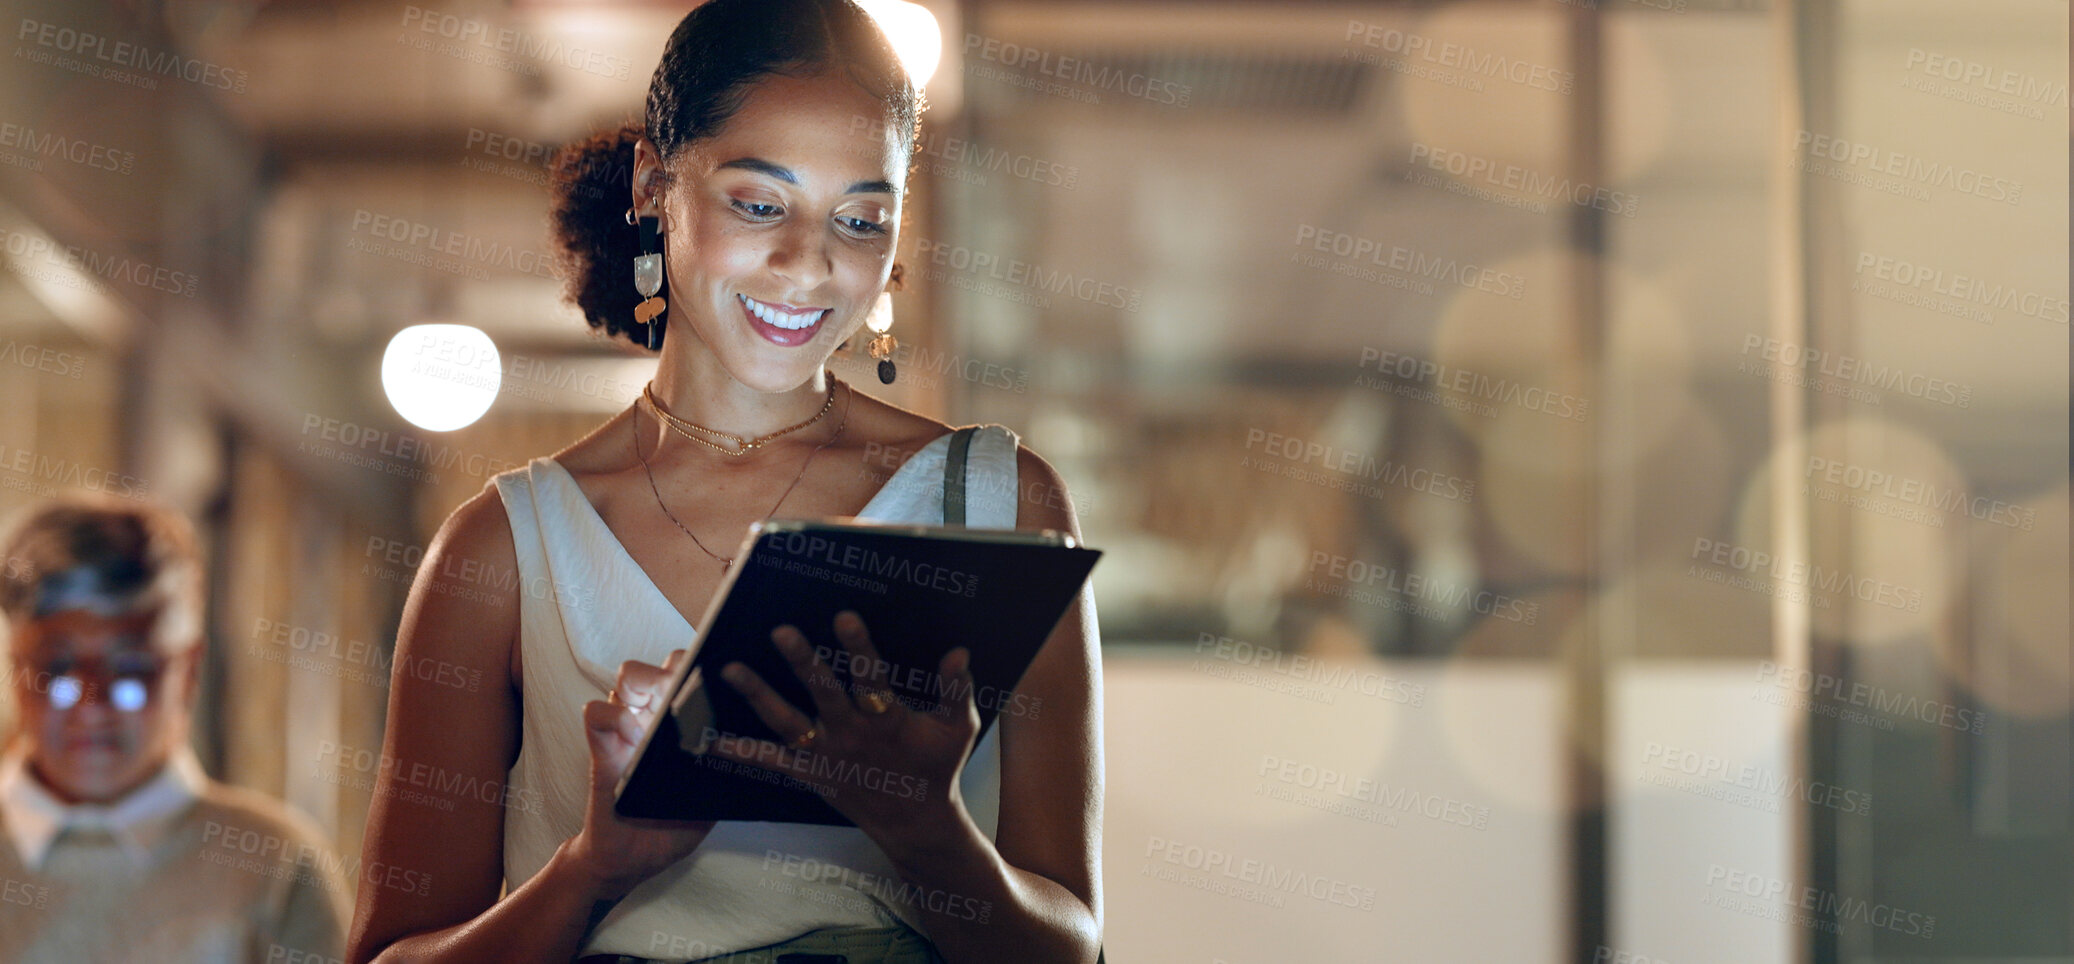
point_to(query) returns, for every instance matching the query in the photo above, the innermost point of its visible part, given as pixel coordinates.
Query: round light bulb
(441, 377)
(913, 32)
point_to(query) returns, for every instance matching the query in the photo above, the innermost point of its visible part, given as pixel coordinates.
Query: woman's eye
(862, 225)
(758, 210)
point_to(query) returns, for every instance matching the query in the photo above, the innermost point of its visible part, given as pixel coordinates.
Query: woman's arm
(446, 735)
(1042, 873)
(442, 735)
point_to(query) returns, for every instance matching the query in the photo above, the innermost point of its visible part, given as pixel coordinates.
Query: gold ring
(875, 701)
(613, 697)
(806, 739)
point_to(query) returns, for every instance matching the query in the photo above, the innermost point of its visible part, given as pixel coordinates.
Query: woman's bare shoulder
(875, 421)
(477, 529)
(480, 527)
(603, 451)
(477, 537)
(1044, 503)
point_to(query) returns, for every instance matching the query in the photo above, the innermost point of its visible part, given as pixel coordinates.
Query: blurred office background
(1583, 480)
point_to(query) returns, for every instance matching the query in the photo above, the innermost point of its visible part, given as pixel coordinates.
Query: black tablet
(921, 590)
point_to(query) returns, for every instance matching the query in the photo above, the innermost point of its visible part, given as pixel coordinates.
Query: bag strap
(954, 476)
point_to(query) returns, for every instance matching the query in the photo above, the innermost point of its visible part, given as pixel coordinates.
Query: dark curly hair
(713, 59)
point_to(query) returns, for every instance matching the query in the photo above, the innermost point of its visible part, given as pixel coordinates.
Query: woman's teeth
(789, 320)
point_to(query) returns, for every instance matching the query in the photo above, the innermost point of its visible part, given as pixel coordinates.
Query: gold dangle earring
(883, 344)
(648, 280)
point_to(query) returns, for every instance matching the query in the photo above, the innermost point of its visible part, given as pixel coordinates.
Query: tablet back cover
(921, 591)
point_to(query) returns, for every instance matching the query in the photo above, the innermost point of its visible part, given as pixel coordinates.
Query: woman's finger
(851, 631)
(831, 700)
(958, 702)
(638, 683)
(782, 717)
(613, 733)
(871, 676)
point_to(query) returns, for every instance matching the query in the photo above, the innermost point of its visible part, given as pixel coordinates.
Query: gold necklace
(728, 562)
(743, 445)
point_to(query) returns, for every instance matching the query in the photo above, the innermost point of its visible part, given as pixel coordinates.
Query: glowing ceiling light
(441, 377)
(914, 33)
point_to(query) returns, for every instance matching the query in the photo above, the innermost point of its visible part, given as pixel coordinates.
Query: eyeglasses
(125, 682)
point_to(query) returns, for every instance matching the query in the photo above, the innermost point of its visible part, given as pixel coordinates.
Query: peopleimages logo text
(820, 549)
(137, 57)
(1078, 70)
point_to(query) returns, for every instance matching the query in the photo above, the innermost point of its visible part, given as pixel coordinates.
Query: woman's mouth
(782, 324)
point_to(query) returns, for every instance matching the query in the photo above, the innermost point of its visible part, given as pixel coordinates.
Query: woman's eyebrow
(783, 173)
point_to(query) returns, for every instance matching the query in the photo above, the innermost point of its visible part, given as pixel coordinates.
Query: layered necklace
(742, 446)
(687, 429)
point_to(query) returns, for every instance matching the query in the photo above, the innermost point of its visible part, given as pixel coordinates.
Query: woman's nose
(801, 257)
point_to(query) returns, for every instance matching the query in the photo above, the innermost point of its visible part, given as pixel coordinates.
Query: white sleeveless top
(586, 607)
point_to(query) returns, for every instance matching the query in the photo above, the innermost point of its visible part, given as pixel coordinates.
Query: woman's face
(780, 229)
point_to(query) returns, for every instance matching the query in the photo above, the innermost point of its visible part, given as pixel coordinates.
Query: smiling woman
(745, 230)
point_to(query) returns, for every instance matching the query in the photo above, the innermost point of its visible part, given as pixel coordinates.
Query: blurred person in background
(767, 180)
(117, 846)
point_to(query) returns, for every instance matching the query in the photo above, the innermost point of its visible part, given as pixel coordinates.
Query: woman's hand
(889, 767)
(619, 853)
